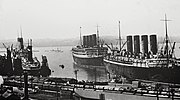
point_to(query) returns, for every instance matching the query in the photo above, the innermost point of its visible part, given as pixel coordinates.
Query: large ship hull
(131, 72)
(85, 60)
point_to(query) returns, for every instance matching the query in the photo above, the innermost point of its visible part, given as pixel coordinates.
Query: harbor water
(62, 55)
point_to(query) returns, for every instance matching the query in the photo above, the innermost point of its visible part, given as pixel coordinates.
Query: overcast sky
(62, 18)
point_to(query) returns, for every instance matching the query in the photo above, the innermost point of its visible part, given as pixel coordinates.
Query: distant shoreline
(72, 42)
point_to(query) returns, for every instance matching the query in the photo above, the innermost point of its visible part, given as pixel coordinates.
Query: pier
(70, 89)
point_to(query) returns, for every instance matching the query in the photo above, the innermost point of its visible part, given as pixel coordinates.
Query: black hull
(95, 61)
(166, 75)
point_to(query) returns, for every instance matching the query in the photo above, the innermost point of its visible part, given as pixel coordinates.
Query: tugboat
(154, 65)
(90, 52)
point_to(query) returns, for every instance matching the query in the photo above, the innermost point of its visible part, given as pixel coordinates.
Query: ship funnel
(136, 45)
(153, 44)
(94, 40)
(20, 42)
(144, 40)
(85, 41)
(30, 55)
(88, 41)
(91, 41)
(129, 44)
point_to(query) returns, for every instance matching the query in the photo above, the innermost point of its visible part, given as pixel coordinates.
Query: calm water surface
(65, 58)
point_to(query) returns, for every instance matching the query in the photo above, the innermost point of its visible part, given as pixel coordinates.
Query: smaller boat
(54, 50)
(30, 64)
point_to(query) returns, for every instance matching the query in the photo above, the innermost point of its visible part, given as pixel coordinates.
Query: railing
(56, 89)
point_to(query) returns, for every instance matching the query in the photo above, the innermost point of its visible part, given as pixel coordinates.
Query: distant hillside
(55, 42)
(43, 42)
(72, 42)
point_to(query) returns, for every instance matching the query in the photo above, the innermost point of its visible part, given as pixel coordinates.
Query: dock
(70, 90)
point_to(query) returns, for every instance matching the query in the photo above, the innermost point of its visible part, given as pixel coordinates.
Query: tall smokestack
(136, 44)
(30, 55)
(88, 41)
(91, 40)
(94, 40)
(20, 42)
(85, 41)
(144, 40)
(153, 44)
(129, 44)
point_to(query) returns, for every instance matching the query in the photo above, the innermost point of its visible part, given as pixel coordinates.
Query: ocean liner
(90, 52)
(150, 64)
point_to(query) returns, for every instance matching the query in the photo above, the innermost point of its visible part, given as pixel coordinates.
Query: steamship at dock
(19, 59)
(154, 65)
(90, 52)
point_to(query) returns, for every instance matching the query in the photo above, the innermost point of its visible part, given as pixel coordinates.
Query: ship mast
(17, 33)
(20, 39)
(119, 37)
(97, 36)
(21, 31)
(80, 37)
(166, 39)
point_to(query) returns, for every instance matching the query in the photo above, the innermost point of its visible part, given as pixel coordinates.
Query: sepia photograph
(89, 50)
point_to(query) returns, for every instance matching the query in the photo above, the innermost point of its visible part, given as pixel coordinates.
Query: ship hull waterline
(94, 61)
(157, 74)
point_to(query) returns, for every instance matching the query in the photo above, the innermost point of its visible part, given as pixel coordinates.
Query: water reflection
(91, 73)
